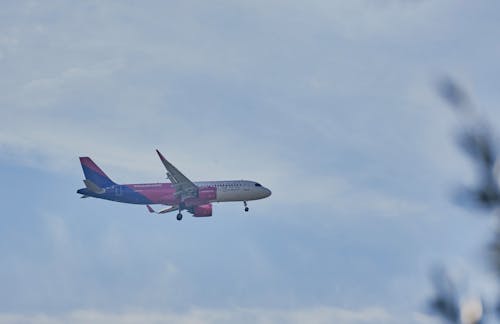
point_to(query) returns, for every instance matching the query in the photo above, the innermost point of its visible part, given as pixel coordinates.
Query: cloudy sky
(330, 104)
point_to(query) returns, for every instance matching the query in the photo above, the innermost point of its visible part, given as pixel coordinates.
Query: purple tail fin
(94, 173)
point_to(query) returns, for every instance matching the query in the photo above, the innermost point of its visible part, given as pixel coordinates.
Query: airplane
(180, 194)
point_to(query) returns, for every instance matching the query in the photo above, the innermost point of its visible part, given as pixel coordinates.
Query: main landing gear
(246, 207)
(181, 208)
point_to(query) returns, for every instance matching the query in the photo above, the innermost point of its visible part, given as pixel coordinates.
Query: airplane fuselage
(164, 193)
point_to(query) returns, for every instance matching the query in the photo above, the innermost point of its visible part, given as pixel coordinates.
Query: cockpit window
(258, 185)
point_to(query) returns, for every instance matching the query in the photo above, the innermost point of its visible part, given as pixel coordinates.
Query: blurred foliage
(477, 141)
(445, 302)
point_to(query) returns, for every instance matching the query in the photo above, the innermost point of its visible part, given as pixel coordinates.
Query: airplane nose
(268, 192)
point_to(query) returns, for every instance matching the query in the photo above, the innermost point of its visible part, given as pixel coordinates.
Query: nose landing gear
(246, 207)
(179, 216)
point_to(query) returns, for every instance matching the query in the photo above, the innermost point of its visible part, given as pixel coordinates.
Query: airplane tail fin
(94, 174)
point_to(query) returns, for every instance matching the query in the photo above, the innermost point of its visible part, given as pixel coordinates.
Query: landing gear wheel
(179, 216)
(246, 207)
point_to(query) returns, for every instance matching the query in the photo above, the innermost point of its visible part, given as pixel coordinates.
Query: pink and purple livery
(179, 194)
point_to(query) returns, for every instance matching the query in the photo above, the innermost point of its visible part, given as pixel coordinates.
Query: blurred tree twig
(477, 141)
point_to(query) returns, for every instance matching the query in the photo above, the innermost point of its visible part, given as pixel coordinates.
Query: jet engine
(202, 210)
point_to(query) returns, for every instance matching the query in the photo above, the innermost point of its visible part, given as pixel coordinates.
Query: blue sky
(330, 104)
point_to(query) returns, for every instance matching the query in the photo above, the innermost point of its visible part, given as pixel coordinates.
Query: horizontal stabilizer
(93, 187)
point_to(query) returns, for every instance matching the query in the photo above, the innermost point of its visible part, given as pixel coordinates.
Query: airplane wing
(162, 211)
(184, 187)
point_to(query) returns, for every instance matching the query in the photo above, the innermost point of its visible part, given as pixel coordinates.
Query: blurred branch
(445, 301)
(476, 141)
(454, 94)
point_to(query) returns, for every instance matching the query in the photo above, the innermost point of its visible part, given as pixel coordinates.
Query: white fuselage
(236, 190)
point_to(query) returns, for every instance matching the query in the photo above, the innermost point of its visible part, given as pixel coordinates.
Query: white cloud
(58, 231)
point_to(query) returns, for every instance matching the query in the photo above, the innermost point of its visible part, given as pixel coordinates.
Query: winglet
(151, 210)
(161, 156)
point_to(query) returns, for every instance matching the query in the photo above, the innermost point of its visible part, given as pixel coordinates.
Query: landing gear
(181, 208)
(246, 207)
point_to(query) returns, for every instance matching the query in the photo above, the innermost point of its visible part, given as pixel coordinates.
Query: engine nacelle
(207, 194)
(202, 210)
